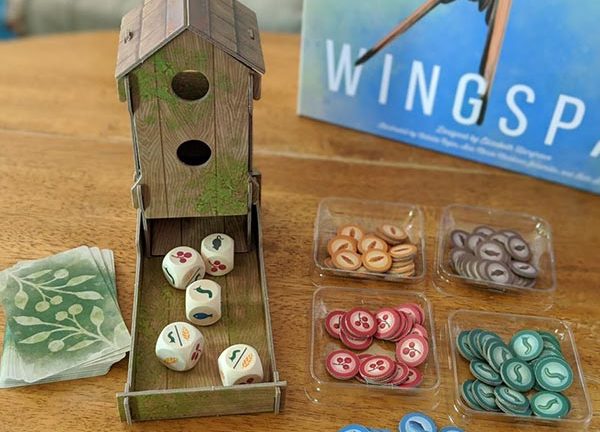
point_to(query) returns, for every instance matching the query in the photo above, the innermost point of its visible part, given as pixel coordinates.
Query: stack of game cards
(62, 318)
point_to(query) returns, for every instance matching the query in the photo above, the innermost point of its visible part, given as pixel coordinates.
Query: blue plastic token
(451, 429)
(417, 422)
(527, 344)
(553, 374)
(354, 428)
(550, 405)
(517, 375)
(484, 373)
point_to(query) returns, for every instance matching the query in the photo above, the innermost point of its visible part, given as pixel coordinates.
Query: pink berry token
(413, 310)
(401, 375)
(360, 322)
(406, 328)
(362, 357)
(418, 329)
(356, 344)
(415, 378)
(332, 323)
(378, 368)
(412, 350)
(342, 364)
(388, 323)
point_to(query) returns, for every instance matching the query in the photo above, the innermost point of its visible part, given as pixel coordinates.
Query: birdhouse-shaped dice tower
(190, 71)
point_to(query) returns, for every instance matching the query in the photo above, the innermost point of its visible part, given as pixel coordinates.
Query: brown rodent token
(351, 230)
(403, 252)
(392, 232)
(339, 243)
(376, 260)
(371, 241)
(347, 260)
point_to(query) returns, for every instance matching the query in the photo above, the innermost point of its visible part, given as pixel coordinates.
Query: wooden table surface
(65, 172)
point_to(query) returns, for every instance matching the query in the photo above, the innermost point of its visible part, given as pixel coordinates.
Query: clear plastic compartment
(506, 325)
(335, 212)
(321, 387)
(535, 230)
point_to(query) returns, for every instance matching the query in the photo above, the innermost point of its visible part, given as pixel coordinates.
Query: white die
(179, 346)
(240, 364)
(203, 302)
(218, 252)
(183, 265)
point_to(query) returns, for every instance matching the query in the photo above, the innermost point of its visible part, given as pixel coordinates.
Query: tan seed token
(328, 262)
(408, 268)
(351, 230)
(371, 241)
(341, 242)
(377, 260)
(347, 260)
(403, 251)
(393, 232)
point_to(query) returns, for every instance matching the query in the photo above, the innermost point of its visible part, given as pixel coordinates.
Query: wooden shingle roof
(228, 24)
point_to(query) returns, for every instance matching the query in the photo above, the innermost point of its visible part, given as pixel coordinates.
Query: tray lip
(378, 389)
(492, 416)
(268, 323)
(371, 275)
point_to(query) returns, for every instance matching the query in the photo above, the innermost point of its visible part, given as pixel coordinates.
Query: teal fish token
(510, 398)
(488, 342)
(484, 338)
(553, 374)
(484, 373)
(527, 344)
(484, 395)
(510, 409)
(462, 343)
(473, 335)
(549, 338)
(497, 354)
(517, 375)
(467, 395)
(550, 405)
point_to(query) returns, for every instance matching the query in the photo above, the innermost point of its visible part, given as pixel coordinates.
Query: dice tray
(152, 391)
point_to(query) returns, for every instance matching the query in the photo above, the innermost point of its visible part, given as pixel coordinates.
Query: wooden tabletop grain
(66, 168)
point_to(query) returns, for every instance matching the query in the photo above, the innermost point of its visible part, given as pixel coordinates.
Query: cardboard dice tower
(189, 71)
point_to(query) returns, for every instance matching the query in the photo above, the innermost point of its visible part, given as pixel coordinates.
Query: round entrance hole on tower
(194, 152)
(190, 85)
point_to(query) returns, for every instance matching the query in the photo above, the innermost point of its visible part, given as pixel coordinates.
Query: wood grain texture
(189, 188)
(243, 321)
(203, 402)
(165, 234)
(147, 140)
(232, 82)
(78, 192)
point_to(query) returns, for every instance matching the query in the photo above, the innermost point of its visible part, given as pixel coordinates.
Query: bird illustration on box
(497, 13)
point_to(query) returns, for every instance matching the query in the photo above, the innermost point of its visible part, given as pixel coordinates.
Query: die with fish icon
(240, 364)
(179, 346)
(203, 302)
(218, 253)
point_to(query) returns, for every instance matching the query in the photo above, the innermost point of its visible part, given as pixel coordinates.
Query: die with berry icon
(182, 266)
(218, 253)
